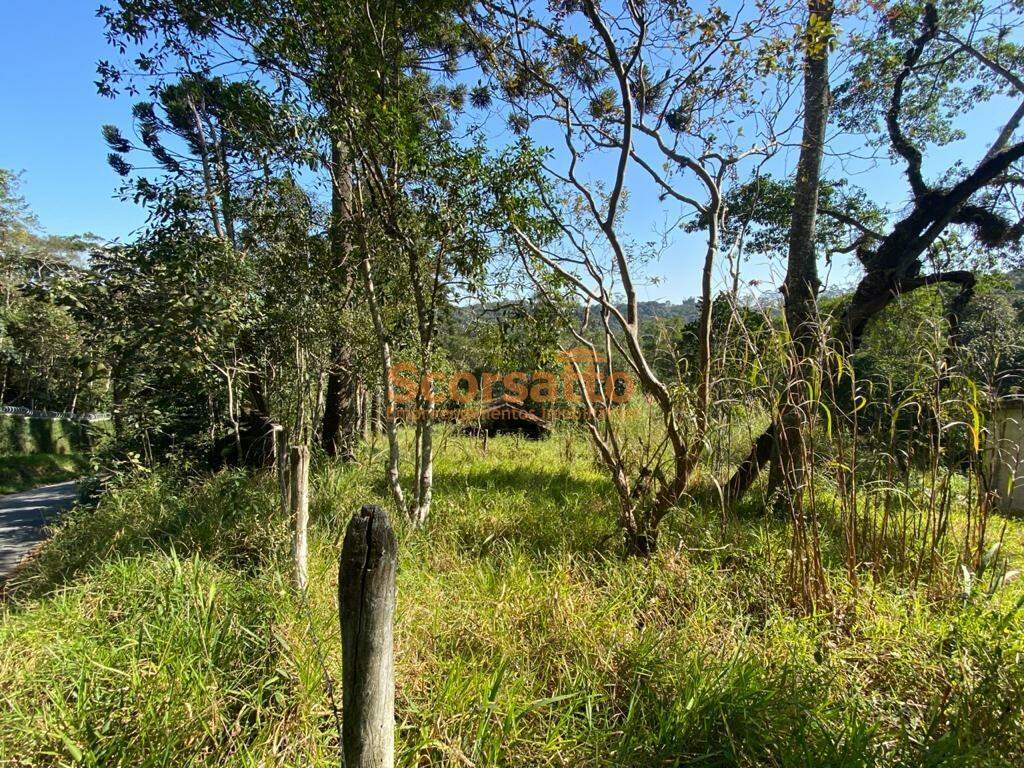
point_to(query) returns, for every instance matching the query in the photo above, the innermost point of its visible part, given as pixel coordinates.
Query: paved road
(23, 517)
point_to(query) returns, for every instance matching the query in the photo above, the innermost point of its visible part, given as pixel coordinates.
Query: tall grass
(158, 629)
(889, 461)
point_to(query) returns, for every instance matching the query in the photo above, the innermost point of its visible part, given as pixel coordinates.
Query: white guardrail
(17, 410)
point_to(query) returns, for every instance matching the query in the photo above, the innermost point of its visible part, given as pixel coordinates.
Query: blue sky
(50, 128)
(52, 114)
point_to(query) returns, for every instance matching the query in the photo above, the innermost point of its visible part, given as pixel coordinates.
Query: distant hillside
(648, 310)
(666, 310)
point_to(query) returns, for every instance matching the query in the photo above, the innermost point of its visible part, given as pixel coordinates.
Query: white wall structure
(1005, 455)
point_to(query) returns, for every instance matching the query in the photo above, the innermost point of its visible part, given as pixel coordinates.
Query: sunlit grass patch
(146, 661)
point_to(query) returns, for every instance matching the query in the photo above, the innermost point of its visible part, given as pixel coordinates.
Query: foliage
(911, 348)
(921, 73)
(953, 83)
(992, 335)
(47, 359)
(171, 314)
(760, 211)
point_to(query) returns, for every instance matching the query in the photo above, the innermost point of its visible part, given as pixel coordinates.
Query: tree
(215, 144)
(912, 77)
(893, 263)
(332, 66)
(801, 285)
(437, 236)
(47, 360)
(659, 90)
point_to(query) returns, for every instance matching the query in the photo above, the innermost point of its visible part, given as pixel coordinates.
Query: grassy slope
(521, 640)
(24, 471)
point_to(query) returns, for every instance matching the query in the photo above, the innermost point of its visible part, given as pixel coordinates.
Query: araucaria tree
(357, 94)
(206, 159)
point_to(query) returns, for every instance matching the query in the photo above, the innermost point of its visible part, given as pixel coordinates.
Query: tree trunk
(365, 413)
(800, 288)
(785, 438)
(641, 543)
(281, 460)
(119, 392)
(338, 432)
(227, 207)
(745, 475)
(425, 466)
(388, 405)
(339, 427)
(209, 183)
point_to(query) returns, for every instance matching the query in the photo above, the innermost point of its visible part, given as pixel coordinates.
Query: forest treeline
(334, 189)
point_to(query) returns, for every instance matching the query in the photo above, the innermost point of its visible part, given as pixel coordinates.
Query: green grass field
(159, 629)
(21, 472)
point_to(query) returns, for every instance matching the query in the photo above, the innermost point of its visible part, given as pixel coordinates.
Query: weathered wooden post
(299, 499)
(281, 459)
(366, 603)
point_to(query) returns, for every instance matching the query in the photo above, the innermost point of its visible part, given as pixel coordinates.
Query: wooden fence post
(281, 459)
(366, 603)
(299, 470)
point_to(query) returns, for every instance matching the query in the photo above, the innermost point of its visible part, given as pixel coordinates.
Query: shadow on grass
(528, 509)
(555, 485)
(521, 508)
(26, 471)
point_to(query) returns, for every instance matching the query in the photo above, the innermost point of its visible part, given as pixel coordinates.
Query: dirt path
(23, 517)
